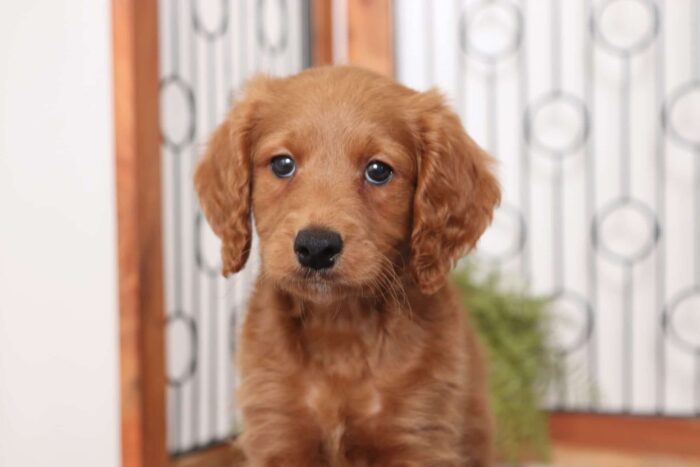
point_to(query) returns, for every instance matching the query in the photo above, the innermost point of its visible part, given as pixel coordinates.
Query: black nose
(317, 248)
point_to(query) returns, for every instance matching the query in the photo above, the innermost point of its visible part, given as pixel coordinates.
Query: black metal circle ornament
(174, 89)
(203, 261)
(555, 109)
(264, 41)
(584, 321)
(215, 33)
(670, 316)
(190, 327)
(509, 216)
(613, 252)
(637, 40)
(686, 98)
(486, 20)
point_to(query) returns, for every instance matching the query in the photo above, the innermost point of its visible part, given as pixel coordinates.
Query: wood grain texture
(322, 33)
(371, 35)
(141, 307)
(661, 435)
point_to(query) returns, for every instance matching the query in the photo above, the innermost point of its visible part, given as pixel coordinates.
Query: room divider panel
(591, 108)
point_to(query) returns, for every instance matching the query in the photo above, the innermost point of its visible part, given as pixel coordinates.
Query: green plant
(514, 330)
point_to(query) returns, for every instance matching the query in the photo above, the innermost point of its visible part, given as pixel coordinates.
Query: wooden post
(371, 35)
(322, 32)
(141, 306)
(630, 434)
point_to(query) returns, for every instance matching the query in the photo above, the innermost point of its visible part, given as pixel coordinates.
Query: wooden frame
(321, 32)
(633, 434)
(141, 307)
(371, 35)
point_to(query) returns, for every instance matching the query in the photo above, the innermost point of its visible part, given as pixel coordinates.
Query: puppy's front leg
(273, 438)
(418, 448)
(422, 459)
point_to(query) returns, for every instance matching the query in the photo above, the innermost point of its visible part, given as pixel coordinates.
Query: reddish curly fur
(374, 365)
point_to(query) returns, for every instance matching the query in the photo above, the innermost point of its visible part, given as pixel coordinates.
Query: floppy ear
(455, 196)
(223, 180)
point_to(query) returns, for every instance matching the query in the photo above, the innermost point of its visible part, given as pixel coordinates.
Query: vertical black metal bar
(558, 174)
(307, 34)
(177, 267)
(492, 110)
(256, 52)
(660, 354)
(627, 339)
(213, 348)
(289, 62)
(227, 39)
(461, 80)
(696, 214)
(590, 167)
(174, 36)
(558, 259)
(695, 43)
(697, 382)
(556, 44)
(195, 273)
(213, 281)
(243, 27)
(695, 60)
(429, 44)
(523, 99)
(628, 269)
(625, 97)
(558, 247)
(558, 227)
(177, 225)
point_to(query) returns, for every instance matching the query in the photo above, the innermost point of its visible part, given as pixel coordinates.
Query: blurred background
(116, 329)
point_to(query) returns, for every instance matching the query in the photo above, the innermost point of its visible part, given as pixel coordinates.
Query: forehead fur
(333, 100)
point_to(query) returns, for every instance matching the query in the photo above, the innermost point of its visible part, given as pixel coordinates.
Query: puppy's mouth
(315, 275)
(316, 285)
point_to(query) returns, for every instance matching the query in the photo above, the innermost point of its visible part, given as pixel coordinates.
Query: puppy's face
(352, 180)
(334, 175)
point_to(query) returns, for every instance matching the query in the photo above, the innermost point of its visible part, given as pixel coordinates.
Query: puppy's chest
(341, 387)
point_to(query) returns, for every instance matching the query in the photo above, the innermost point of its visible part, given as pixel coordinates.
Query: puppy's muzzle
(317, 248)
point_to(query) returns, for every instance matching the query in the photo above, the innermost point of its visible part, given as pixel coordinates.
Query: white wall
(58, 299)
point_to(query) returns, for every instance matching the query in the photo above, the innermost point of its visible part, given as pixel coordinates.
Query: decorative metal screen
(207, 50)
(593, 110)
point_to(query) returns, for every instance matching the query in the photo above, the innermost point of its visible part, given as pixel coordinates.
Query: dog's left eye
(283, 166)
(378, 173)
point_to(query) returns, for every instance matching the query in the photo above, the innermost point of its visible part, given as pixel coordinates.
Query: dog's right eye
(283, 166)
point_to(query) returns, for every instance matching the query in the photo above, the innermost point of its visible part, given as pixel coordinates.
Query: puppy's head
(352, 179)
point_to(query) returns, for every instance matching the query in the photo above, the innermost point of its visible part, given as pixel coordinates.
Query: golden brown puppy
(355, 351)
